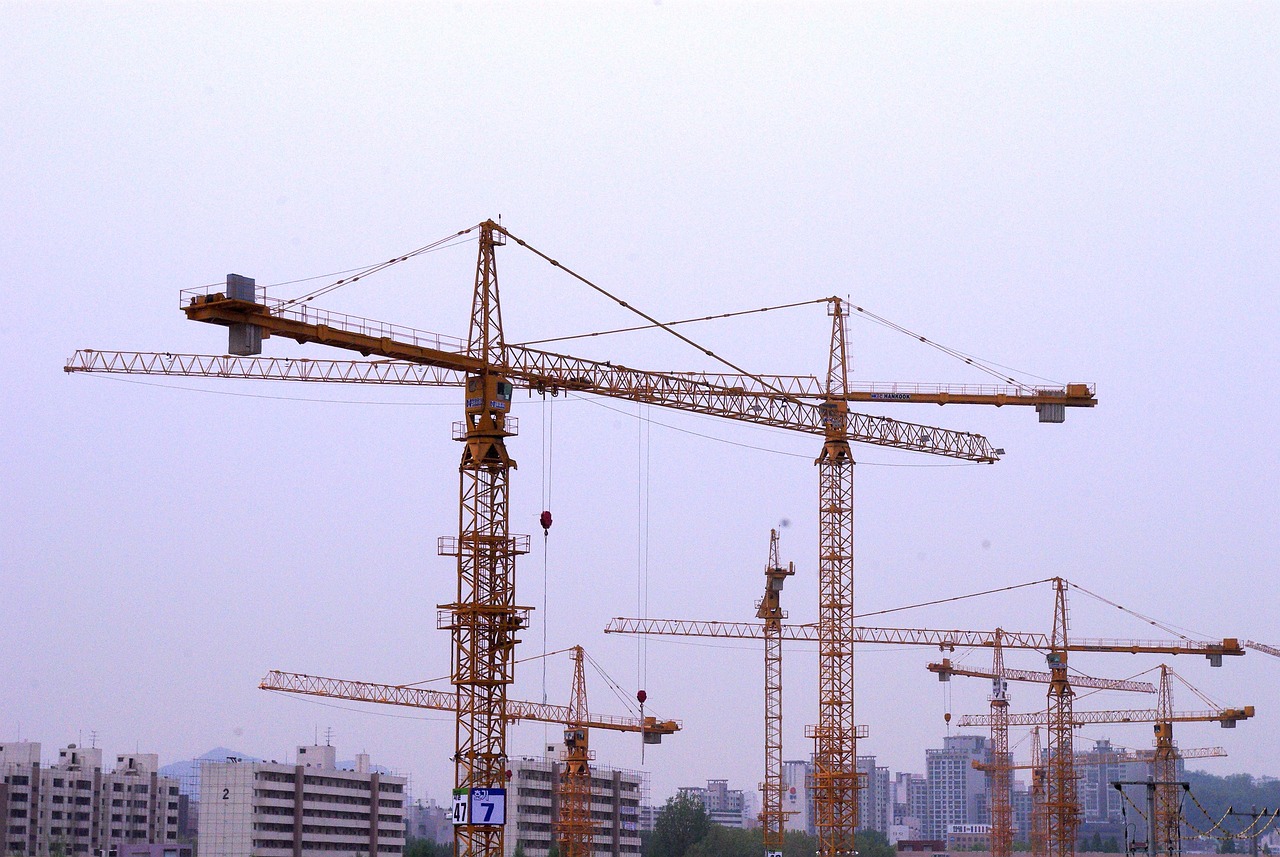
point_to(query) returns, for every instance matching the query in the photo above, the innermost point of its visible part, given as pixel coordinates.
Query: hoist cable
(643, 431)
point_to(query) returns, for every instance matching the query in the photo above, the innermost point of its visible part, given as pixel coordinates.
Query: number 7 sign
(488, 807)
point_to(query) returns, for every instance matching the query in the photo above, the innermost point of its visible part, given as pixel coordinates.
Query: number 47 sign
(480, 807)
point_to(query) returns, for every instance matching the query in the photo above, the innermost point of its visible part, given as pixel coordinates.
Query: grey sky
(1084, 191)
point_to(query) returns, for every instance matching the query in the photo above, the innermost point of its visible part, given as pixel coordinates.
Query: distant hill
(187, 772)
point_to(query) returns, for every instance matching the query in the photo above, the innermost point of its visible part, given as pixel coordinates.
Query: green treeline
(1210, 797)
(682, 829)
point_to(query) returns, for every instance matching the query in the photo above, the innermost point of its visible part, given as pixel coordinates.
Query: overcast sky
(1086, 192)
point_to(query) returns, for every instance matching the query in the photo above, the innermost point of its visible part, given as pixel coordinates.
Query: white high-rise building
(307, 809)
(875, 801)
(910, 807)
(797, 802)
(533, 804)
(957, 790)
(76, 807)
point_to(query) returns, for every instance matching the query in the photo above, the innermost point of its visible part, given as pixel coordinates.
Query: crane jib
(670, 390)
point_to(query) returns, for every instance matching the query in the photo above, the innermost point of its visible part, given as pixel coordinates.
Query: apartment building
(725, 806)
(533, 804)
(307, 809)
(797, 800)
(875, 799)
(75, 807)
(957, 790)
(910, 807)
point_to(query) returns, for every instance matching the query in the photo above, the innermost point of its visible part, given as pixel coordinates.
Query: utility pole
(1253, 821)
(1173, 846)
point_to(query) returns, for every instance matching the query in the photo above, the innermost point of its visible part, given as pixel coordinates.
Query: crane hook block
(545, 520)
(641, 696)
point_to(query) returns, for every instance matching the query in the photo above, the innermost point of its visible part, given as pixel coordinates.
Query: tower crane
(999, 770)
(1038, 820)
(1163, 759)
(1060, 792)
(1039, 776)
(573, 825)
(484, 617)
(772, 817)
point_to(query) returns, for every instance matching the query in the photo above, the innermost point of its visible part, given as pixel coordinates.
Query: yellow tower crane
(1164, 757)
(484, 617)
(573, 825)
(1000, 767)
(772, 817)
(1060, 802)
(1036, 767)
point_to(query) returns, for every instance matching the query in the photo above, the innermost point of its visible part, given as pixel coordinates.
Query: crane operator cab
(487, 395)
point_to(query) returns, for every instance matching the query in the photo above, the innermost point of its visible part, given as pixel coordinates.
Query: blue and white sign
(488, 807)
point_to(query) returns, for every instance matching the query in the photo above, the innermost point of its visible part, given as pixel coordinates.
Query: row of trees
(682, 829)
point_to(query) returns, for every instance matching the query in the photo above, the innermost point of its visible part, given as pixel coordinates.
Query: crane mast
(1164, 770)
(1039, 821)
(772, 817)
(484, 619)
(574, 822)
(1166, 821)
(835, 739)
(1001, 766)
(1001, 796)
(1061, 805)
